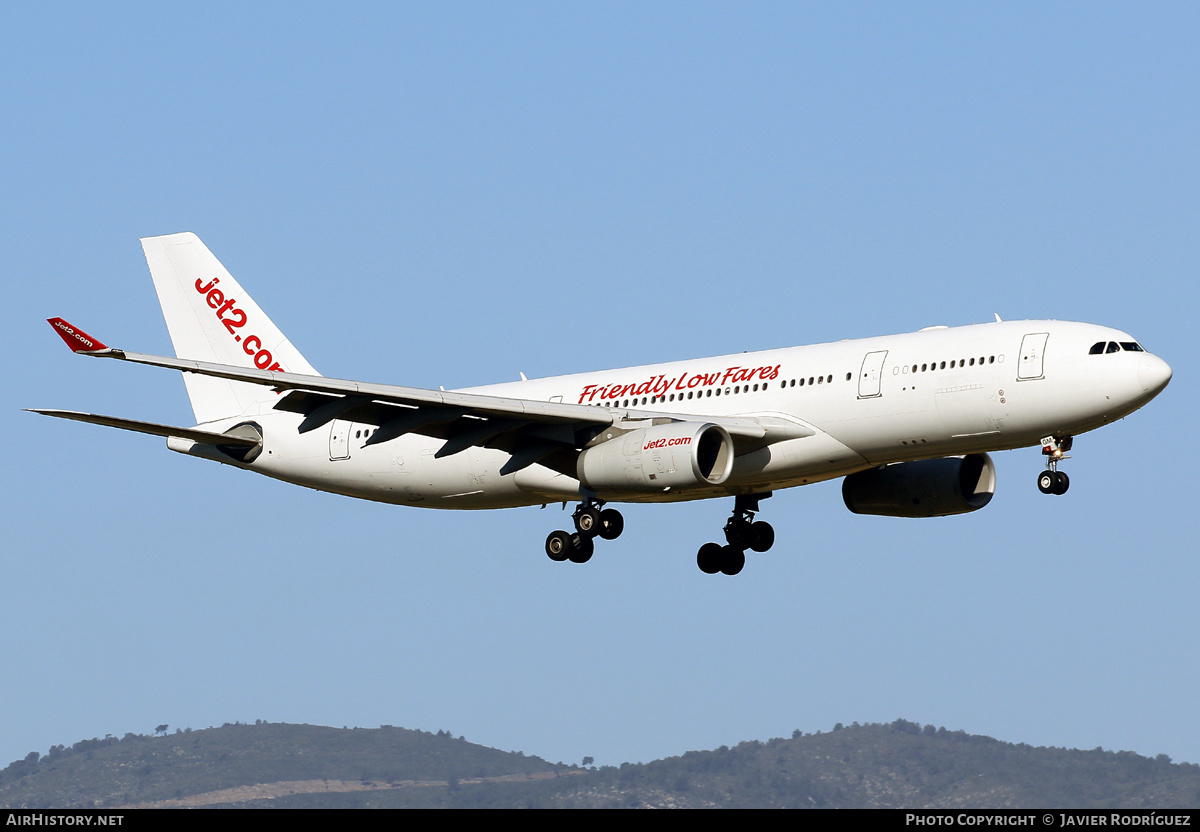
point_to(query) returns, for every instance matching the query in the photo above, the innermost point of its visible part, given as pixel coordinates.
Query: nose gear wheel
(1052, 480)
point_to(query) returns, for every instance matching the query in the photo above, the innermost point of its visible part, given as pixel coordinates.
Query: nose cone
(1153, 374)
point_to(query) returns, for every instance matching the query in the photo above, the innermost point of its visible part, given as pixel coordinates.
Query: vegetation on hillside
(898, 765)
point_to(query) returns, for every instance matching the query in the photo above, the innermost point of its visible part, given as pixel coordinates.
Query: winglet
(77, 339)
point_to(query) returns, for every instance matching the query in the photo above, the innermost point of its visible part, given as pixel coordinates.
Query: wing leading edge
(531, 430)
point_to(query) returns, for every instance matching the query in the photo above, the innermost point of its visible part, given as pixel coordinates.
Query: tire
(587, 520)
(581, 548)
(611, 524)
(1046, 482)
(558, 546)
(709, 558)
(732, 560)
(762, 536)
(1061, 482)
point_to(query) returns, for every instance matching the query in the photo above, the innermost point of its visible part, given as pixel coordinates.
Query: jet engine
(927, 488)
(677, 455)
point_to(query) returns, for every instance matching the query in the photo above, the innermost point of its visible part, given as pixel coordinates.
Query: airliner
(907, 421)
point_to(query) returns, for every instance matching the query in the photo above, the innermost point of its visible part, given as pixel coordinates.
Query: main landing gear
(1052, 480)
(590, 522)
(741, 533)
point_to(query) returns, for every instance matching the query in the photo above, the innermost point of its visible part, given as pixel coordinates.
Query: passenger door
(870, 377)
(1033, 351)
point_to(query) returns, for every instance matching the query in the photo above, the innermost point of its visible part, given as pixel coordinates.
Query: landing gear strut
(590, 522)
(741, 533)
(1052, 480)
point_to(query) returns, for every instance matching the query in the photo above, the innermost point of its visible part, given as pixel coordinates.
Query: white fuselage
(935, 393)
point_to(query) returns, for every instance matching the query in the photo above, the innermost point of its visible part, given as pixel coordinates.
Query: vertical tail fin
(211, 318)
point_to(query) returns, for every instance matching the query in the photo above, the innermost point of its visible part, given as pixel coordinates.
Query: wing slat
(323, 399)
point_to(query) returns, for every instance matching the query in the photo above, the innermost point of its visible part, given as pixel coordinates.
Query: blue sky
(455, 193)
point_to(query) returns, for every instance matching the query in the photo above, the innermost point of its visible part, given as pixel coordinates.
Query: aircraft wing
(530, 429)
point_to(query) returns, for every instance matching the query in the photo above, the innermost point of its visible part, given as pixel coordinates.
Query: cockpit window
(1112, 347)
(1097, 348)
(1131, 346)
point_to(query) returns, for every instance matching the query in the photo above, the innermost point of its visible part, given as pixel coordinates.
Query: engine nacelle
(928, 488)
(678, 455)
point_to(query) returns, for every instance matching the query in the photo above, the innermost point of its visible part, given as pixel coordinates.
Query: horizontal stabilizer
(206, 436)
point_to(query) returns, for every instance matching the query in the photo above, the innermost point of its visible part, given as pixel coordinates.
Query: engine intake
(927, 488)
(678, 455)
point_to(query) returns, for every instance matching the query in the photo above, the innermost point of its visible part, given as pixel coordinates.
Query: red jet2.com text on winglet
(76, 338)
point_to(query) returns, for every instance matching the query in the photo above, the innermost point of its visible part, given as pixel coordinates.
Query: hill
(897, 765)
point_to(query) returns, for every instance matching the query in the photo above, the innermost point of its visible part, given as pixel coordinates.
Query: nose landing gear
(1052, 480)
(741, 533)
(590, 522)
